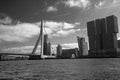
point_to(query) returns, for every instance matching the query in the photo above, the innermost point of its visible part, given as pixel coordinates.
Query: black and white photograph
(59, 40)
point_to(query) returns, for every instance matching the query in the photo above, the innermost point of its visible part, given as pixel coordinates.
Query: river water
(61, 69)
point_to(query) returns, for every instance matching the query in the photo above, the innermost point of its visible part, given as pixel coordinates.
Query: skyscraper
(104, 36)
(45, 38)
(49, 49)
(59, 50)
(47, 46)
(83, 49)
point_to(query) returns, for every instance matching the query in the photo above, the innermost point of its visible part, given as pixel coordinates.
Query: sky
(64, 20)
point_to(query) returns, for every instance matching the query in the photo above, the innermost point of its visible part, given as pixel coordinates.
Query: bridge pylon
(40, 40)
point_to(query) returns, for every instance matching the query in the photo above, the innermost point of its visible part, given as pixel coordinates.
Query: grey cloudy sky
(63, 21)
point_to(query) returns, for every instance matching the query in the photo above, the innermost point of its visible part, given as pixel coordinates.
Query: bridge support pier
(35, 57)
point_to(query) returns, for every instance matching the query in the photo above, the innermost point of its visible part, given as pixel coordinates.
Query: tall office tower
(79, 45)
(45, 49)
(91, 31)
(98, 37)
(102, 34)
(45, 44)
(110, 41)
(49, 49)
(103, 26)
(45, 38)
(91, 28)
(82, 46)
(85, 48)
(59, 51)
(112, 24)
(112, 30)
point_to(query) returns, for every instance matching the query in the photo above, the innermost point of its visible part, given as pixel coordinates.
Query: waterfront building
(47, 46)
(102, 36)
(59, 51)
(83, 47)
(69, 53)
(45, 38)
(49, 49)
(112, 24)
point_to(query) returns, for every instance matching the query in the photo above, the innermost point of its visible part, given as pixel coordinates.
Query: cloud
(100, 4)
(115, 3)
(47, 31)
(77, 3)
(52, 9)
(23, 49)
(23, 31)
(70, 3)
(68, 26)
(69, 45)
(61, 29)
(13, 30)
(18, 33)
(63, 33)
(118, 38)
(107, 4)
(6, 20)
(55, 26)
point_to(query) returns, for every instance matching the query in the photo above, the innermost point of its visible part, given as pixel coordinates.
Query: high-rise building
(49, 49)
(91, 28)
(83, 47)
(45, 38)
(47, 46)
(45, 49)
(59, 50)
(105, 32)
(112, 24)
(103, 26)
(92, 42)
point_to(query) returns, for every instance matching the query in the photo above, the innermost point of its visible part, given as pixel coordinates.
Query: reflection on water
(67, 69)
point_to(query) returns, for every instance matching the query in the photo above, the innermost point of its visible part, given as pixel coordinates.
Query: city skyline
(64, 20)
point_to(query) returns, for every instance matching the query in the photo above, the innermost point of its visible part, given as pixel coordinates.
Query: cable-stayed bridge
(32, 55)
